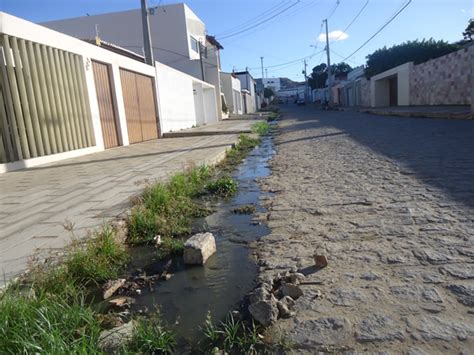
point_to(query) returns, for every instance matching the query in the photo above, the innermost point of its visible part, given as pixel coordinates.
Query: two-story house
(178, 38)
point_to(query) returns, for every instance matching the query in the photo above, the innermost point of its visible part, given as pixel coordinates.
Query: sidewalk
(89, 190)
(451, 112)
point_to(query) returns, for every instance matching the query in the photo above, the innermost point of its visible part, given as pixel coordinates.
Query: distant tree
(319, 74)
(469, 31)
(411, 51)
(268, 93)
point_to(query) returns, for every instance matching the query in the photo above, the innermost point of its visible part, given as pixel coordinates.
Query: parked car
(301, 102)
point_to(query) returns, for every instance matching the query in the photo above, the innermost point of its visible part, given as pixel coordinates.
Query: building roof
(116, 49)
(212, 40)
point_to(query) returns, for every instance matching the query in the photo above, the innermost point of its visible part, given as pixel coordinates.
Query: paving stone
(378, 327)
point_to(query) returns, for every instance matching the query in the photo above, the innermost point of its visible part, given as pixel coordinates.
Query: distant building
(250, 98)
(273, 83)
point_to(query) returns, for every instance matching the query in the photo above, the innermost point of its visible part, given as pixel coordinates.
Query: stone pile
(275, 298)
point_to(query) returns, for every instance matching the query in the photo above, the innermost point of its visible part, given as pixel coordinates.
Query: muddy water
(228, 275)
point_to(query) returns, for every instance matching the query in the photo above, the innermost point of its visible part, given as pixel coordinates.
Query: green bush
(225, 186)
(260, 127)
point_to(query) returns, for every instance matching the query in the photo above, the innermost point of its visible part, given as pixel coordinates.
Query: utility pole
(266, 73)
(261, 61)
(146, 34)
(200, 59)
(329, 66)
(305, 82)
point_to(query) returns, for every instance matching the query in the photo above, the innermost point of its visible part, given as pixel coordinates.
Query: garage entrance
(140, 107)
(107, 113)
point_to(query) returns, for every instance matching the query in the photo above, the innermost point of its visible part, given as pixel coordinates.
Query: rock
(290, 302)
(264, 312)
(432, 328)
(259, 294)
(345, 296)
(314, 332)
(111, 287)
(378, 327)
(294, 278)
(369, 276)
(121, 302)
(291, 290)
(166, 276)
(115, 339)
(199, 248)
(320, 261)
(463, 293)
(283, 310)
(463, 271)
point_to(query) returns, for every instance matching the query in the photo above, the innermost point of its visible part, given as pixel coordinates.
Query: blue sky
(290, 35)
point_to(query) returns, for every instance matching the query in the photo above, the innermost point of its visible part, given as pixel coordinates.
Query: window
(194, 44)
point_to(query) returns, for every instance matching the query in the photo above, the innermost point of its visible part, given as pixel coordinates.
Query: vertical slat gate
(106, 104)
(44, 106)
(140, 106)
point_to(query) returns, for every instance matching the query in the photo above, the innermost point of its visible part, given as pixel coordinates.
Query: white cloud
(333, 36)
(468, 11)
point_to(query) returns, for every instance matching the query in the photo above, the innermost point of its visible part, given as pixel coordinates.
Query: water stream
(228, 275)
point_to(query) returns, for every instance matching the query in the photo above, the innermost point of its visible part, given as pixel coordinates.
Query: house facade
(231, 87)
(69, 97)
(249, 87)
(178, 37)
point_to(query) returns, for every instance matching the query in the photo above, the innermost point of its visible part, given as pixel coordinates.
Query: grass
(224, 186)
(231, 335)
(261, 128)
(167, 209)
(41, 322)
(47, 311)
(174, 246)
(151, 337)
(237, 153)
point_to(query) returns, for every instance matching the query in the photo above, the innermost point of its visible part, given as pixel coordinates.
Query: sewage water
(217, 287)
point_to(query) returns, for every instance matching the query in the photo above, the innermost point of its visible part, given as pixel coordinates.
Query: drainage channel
(185, 300)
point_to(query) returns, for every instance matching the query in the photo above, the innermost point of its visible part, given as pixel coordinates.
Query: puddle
(228, 275)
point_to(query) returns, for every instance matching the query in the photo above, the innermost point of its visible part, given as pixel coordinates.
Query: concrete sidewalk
(235, 125)
(89, 190)
(451, 112)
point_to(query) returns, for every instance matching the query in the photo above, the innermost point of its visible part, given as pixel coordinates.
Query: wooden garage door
(108, 120)
(140, 109)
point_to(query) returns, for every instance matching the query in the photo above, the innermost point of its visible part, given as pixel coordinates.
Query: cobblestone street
(390, 201)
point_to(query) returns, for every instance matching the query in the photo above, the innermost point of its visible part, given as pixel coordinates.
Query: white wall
(379, 86)
(230, 85)
(175, 98)
(209, 97)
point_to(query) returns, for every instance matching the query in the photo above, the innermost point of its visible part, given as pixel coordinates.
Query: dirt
(399, 245)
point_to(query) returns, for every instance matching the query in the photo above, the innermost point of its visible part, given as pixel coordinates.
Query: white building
(231, 88)
(177, 36)
(273, 83)
(248, 83)
(70, 98)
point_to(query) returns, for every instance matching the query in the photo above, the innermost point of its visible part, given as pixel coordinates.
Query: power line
(380, 29)
(333, 10)
(253, 19)
(261, 22)
(353, 20)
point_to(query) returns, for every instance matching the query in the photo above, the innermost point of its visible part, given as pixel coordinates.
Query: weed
(260, 127)
(224, 186)
(246, 209)
(233, 335)
(170, 246)
(40, 322)
(100, 258)
(152, 337)
(167, 208)
(236, 154)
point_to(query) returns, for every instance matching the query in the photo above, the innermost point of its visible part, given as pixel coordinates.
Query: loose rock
(292, 291)
(111, 287)
(320, 261)
(199, 248)
(264, 312)
(114, 339)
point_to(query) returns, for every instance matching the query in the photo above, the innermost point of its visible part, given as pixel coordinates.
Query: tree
(410, 51)
(319, 74)
(268, 93)
(469, 31)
